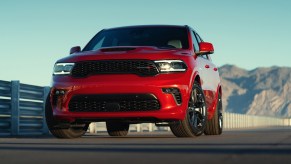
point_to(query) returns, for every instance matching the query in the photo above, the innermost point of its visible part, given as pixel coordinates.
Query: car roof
(142, 26)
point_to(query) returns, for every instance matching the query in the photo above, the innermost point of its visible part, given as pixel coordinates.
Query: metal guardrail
(22, 113)
(22, 109)
(235, 120)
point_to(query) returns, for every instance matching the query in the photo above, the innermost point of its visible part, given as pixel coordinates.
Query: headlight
(171, 65)
(63, 68)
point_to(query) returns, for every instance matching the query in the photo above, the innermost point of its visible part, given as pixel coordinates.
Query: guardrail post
(226, 120)
(138, 128)
(92, 128)
(150, 127)
(46, 91)
(15, 107)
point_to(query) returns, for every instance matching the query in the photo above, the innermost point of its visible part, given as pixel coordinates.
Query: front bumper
(121, 84)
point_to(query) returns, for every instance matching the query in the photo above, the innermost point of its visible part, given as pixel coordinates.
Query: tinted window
(195, 42)
(162, 37)
(198, 38)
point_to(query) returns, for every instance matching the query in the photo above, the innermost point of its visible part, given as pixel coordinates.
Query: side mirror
(75, 49)
(205, 48)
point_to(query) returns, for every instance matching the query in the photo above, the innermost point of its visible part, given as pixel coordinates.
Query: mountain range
(262, 91)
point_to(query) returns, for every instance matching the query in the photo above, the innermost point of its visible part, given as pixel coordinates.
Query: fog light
(167, 90)
(175, 92)
(60, 92)
(170, 90)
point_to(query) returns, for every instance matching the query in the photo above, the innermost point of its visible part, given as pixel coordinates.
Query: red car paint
(198, 67)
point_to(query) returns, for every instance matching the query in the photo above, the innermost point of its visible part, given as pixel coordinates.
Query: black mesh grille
(177, 96)
(114, 103)
(139, 67)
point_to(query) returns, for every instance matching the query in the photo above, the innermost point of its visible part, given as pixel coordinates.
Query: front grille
(114, 103)
(139, 67)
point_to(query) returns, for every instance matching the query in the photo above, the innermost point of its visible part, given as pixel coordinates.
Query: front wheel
(56, 129)
(196, 116)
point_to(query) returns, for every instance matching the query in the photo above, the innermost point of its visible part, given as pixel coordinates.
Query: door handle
(215, 69)
(206, 66)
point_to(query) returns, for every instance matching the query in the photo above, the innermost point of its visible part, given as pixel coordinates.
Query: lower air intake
(114, 103)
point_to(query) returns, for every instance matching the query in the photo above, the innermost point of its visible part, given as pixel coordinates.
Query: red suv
(158, 74)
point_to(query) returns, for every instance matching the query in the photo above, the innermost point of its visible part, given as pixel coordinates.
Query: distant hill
(262, 91)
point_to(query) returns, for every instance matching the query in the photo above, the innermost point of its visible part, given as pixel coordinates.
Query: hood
(132, 52)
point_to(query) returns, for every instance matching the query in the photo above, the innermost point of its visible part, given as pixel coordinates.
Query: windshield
(161, 37)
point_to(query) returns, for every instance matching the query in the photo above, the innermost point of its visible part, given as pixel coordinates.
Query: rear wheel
(195, 119)
(117, 128)
(215, 125)
(58, 129)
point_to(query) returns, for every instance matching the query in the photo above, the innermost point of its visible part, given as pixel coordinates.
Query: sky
(36, 33)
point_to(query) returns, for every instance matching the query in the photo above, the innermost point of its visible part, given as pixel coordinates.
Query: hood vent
(117, 49)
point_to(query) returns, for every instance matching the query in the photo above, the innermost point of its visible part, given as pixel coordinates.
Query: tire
(215, 125)
(73, 130)
(196, 115)
(117, 128)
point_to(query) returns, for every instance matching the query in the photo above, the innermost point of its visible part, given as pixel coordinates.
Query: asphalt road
(269, 145)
